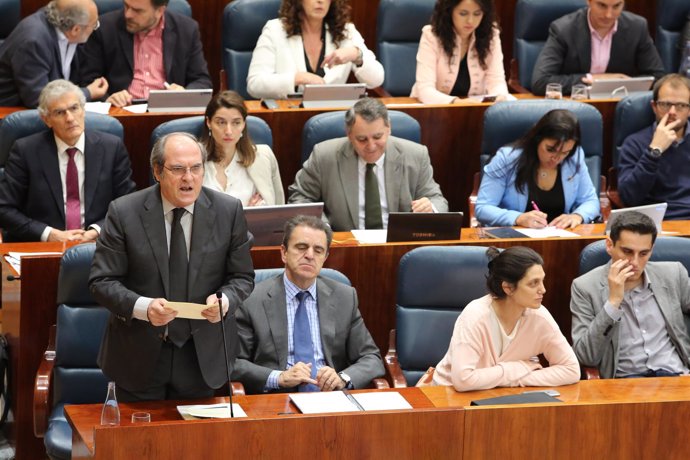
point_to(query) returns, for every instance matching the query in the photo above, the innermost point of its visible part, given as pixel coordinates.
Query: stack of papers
(338, 401)
(14, 258)
(221, 410)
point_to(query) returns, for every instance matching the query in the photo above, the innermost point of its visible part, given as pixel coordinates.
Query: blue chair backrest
(263, 274)
(330, 125)
(26, 122)
(435, 283)
(670, 19)
(532, 21)
(398, 29)
(505, 122)
(177, 6)
(243, 21)
(633, 113)
(10, 15)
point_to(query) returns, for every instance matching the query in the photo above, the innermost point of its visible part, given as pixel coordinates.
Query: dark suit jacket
(109, 53)
(131, 261)
(31, 195)
(567, 54)
(29, 59)
(262, 321)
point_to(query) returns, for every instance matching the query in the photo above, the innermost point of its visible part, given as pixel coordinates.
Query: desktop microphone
(13, 278)
(219, 296)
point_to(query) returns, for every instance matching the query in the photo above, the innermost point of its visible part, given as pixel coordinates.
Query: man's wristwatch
(348, 381)
(360, 58)
(655, 152)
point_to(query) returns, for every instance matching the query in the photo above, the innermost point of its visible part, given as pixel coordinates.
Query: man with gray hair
(363, 177)
(58, 183)
(43, 47)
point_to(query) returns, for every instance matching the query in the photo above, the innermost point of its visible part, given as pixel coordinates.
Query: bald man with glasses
(654, 164)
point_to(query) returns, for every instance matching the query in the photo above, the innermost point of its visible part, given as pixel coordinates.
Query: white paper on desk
(381, 400)
(188, 310)
(137, 108)
(547, 232)
(370, 236)
(221, 410)
(323, 402)
(98, 107)
(14, 258)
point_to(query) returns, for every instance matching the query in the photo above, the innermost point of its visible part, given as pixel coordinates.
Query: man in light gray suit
(174, 241)
(628, 314)
(341, 353)
(364, 176)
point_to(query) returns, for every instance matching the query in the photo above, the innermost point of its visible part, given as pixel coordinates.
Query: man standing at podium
(300, 331)
(174, 241)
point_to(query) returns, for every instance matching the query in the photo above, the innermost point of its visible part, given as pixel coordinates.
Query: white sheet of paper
(188, 310)
(323, 402)
(547, 232)
(137, 108)
(221, 410)
(14, 258)
(381, 400)
(98, 107)
(370, 236)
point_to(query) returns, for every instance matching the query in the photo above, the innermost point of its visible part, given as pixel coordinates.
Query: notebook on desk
(524, 398)
(617, 88)
(422, 226)
(266, 222)
(186, 100)
(322, 96)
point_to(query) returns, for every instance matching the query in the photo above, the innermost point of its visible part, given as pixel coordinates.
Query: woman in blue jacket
(539, 180)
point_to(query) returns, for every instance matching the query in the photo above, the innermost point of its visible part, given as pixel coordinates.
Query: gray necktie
(178, 329)
(372, 199)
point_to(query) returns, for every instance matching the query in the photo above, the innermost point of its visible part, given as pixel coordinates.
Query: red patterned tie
(73, 208)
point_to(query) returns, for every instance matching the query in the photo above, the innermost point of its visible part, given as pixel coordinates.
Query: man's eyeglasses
(179, 171)
(666, 105)
(72, 109)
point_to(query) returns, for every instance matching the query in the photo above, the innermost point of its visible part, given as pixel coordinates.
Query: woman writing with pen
(539, 180)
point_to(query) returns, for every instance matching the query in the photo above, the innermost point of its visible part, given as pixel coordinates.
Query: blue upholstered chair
(68, 373)
(178, 6)
(505, 122)
(243, 21)
(330, 125)
(398, 29)
(670, 19)
(532, 21)
(10, 15)
(435, 283)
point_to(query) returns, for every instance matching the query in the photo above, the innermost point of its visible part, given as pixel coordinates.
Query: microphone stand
(219, 296)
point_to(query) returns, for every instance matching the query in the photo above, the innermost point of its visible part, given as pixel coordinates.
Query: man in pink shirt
(600, 41)
(145, 47)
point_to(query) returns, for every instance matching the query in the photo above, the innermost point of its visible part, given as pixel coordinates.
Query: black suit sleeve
(91, 59)
(550, 64)
(121, 177)
(197, 76)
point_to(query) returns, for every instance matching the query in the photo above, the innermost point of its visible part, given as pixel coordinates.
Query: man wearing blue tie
(300, 331)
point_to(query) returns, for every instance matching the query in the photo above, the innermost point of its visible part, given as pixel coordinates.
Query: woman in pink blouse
(460, 54)
(498, 337)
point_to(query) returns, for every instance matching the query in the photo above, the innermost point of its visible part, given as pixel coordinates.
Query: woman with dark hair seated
(498, 337)
(460, 53)
(539, 180)
(235, 165)
(311, 42)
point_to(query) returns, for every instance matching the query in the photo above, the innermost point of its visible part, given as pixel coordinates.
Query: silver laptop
(341, 96)
(188, 100)
(266, 222)
(655, 212)
(617, 88)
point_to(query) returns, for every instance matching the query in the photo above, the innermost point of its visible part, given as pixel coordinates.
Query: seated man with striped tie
(300, 331)
(364, 176)
(58, 183)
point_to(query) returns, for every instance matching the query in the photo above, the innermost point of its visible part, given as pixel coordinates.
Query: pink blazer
(472, 364)
(436, 76)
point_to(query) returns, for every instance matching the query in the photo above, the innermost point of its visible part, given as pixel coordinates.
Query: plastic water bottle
(685, 61)
(111, 411)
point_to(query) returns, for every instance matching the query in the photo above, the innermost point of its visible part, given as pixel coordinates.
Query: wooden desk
(424, 432)
(621, 418)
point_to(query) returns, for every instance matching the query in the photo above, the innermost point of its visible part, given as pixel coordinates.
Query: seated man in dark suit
(601, 41)
(300, 331)
(145, 47)
(58, 183)
(368, 174)
(43, 47)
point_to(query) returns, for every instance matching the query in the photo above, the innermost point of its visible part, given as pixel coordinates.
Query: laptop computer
(188, 100)
(266, 222)
(655, 212)
(421, 226)
(617, 88)
(320, 96)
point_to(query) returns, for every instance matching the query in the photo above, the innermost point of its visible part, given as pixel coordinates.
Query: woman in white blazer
(460, 54)
(235, 165)
(312, 42)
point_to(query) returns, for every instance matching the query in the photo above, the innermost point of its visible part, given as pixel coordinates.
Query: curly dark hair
(338, 15)
(442, 26)
(245, 147)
